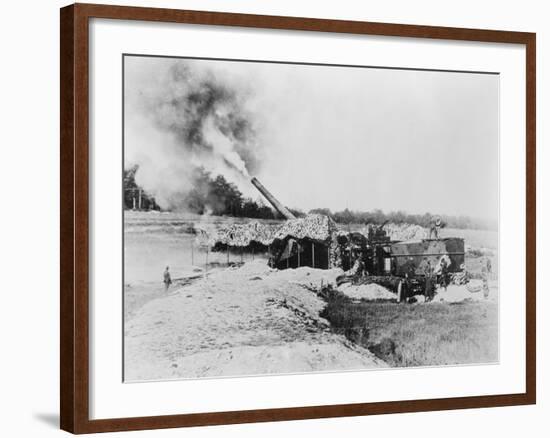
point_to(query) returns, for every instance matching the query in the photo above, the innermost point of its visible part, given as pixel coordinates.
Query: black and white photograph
(286, 218)
(275, 218)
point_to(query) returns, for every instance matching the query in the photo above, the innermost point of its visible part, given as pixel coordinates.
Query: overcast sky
(358, 138)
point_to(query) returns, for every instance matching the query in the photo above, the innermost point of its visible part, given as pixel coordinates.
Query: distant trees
(297, 212)
(214, 195)
(218, 196)
(378, 217)
(256, 210)
(135, 196)
(222, 198)
(323, 211)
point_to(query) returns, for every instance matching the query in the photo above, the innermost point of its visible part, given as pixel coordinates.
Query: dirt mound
(232, 323)
(371, 291)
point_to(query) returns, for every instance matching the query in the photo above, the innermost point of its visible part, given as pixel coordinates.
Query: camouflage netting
(402, 231)
(308, 241)
(313, 227)
(239, 235)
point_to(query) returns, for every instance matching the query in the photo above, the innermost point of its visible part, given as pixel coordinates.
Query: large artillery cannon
(272, 200)
(316, 241)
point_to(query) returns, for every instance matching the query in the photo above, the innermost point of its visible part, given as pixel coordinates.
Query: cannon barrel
(272, 200)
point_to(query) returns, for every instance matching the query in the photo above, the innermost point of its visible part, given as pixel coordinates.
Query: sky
(323, 136)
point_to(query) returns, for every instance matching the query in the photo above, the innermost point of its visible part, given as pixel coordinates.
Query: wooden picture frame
(75, 237)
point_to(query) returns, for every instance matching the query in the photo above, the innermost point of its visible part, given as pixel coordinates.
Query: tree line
(379, 217)
(213, 195)
(217, 196)
(132, 193)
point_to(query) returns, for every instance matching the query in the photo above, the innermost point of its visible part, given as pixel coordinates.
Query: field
(418, 334)
(230, 314)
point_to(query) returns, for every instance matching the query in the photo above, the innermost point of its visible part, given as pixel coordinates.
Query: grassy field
(405, 335)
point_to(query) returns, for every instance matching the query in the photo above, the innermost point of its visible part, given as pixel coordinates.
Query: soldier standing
(404, 289)
(485, 270)
(435, 226)
(444, 274)
(429, 286)
(167, 279)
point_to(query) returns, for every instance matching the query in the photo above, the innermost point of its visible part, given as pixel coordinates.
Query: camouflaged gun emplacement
(318, 243)
(383, 256)
(418, 257)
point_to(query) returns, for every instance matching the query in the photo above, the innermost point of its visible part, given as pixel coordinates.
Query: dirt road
(239, 321)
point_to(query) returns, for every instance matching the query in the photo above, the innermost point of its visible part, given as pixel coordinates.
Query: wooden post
(139, 200)
(133, 202)
(299, 254)
(313, 254)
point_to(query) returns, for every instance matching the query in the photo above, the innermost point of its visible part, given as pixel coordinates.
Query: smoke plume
(181, 116)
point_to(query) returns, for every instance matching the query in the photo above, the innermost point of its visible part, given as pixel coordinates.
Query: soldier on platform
(435, 227)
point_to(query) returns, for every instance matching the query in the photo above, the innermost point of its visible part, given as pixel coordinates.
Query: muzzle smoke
(181, 117)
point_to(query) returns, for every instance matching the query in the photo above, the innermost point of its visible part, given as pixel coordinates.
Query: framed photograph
(276, 218)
